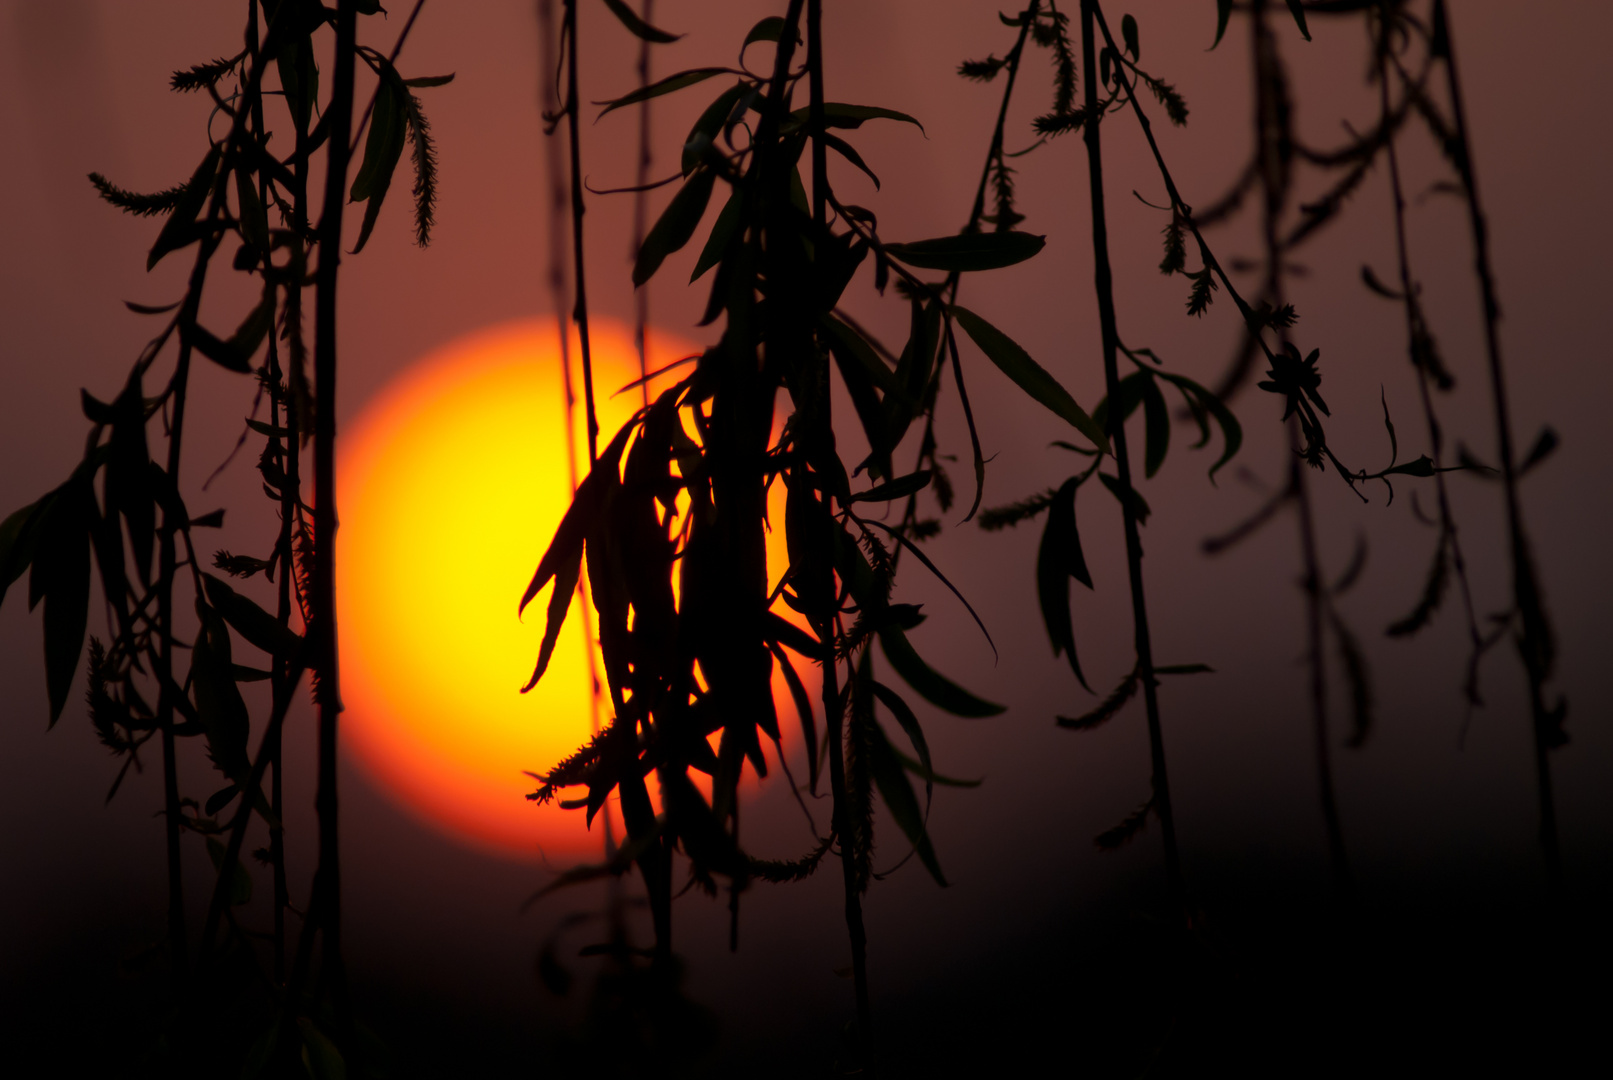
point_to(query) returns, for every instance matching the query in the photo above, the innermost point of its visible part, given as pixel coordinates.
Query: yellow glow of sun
(450, 485)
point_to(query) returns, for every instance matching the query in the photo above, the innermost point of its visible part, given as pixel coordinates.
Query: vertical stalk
(641, 295)
(1416, 336)
(325, 519)
(1273, 150)
(580, 312)
(1534, 635)
(280, 684)
(1314, 643)
(1103, 282)
(834, 717)
(557, 299)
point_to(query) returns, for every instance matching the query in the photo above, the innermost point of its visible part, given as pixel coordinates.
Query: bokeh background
(1438, 808)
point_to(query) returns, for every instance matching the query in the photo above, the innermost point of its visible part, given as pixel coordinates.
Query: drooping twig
(1534, 631)
(1103, 283)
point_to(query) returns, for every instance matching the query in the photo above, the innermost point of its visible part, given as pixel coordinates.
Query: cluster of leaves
(682, 490)
(122, 507)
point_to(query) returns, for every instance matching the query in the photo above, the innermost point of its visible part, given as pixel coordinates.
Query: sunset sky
(1435, 806)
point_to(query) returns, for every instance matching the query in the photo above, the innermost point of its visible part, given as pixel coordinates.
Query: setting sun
(453, 480)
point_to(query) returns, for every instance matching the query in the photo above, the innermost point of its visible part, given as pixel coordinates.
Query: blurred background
(1037, 929)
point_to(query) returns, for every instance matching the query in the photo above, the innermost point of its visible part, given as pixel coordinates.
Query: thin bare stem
(1104, 286)
(568, 37)
(641, 296)
(856, 931)
(1417, 347)
(1534, 632)
(323, 632)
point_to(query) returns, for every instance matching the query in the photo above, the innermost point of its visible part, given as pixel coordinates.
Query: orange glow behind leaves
(451, 484)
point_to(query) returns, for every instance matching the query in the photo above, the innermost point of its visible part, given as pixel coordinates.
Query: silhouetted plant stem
(1274, 149)
(569, 55)
(1534, 633)
(168, 565)
(556, 169)
(1103, 284)
(833, 712)
(328, 875)
(1419, 348)
(641, 295)
(287, 452)
(1315, 651)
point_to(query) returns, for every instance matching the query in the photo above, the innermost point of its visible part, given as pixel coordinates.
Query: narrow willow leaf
(299, 78)
(1058, 559)
(429, 80)
(904, 716)
(722, 233)
(676, 225)
(662, 86)
(1354, 663)
(383, 148)
(1540, 451)
(1433, 593)
(255, 625)
(890, 776)
(1115, 838)
(562, 562)
(151, 309)
(968, 251)
(219, 704)
(18, 540)
(870, 412)
(235, 354)
(863, 353)
(838, 114)
(781, 631)
(637, 26)
(1157, 430)
(254, 218)
(1034, 379)
(1372, 281)
(931, 685)
(849, 152)
(803, 709)
(1298, 9)
(900, 487)
(1184, 669)
(769, 29)
(1223, 12)
(705, 128)
(1231, 430)
(180, 228)
(63, 563)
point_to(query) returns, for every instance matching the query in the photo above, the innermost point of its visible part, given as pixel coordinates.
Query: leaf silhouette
(1058, 559)
(931, 685)
(677, 223)
(662, 86)
(969, 251)
(637, 26)
(1034, 379)
(180, 228)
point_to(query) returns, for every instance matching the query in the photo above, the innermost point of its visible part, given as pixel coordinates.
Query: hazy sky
(83, 87)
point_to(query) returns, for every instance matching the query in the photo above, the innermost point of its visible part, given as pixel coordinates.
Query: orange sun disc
(451, 483)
